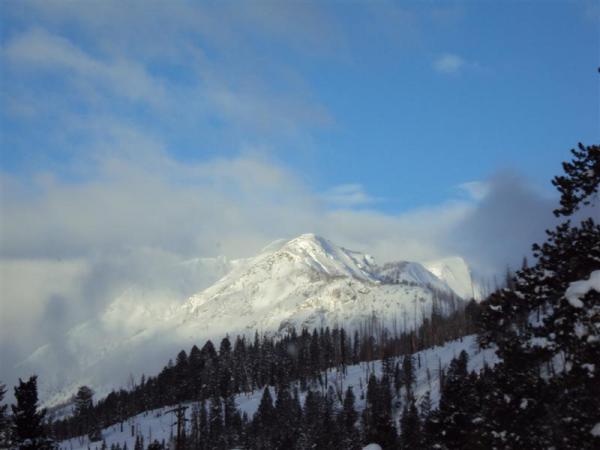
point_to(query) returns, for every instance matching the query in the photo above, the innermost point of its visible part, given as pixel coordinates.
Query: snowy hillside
(455, 272)
(306, 282)
(413, 272)
(310, 282)
(157, 424)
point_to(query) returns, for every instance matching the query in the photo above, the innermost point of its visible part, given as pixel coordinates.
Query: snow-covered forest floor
(158, 424)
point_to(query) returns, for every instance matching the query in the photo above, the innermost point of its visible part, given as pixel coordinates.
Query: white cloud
(449, 63)
(26, 282)
(37, 49)
(253, 106)
(476, 190)
(249, 93)
(348, 195)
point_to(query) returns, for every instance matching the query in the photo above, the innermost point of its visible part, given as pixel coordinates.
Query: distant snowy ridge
(455, 272)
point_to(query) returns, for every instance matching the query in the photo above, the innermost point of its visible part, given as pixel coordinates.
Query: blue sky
(403, 100)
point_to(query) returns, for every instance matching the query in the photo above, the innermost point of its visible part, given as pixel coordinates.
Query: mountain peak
(304, 240)
(310, 239)
(324, 256)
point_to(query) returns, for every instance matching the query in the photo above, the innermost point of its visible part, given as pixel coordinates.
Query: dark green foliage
(378, 424)
(264, 422)
(28, 426)
(286, 419)
(544, 393)
(203, 428)
(408, 374)
(457, 406)
(206, 374)
(216, 430)
(410, 427)
(581, 180)
(232, 421)
(4, 419)
(139, 443)
(265, 416)
(155, 446)
(84, 411)
(347, 422)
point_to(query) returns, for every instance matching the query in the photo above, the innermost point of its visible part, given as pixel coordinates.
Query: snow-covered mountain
(305, 282)
(310, 282)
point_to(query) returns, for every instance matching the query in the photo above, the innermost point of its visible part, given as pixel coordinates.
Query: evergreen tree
(182, 386)
(83, 401)
(312, 425)
(195, 368)
(329, 436)
(225, 368)
(425, 406)
(194, 430)
(232, 421)
(139, 443)
(388, 363)
(410, 427)
(426, 416)
(398, 379)
(28, 429)
(4, 420)
(84, 411)
(378, 424)
(215, 423)
(210, 370)
(347, 422)
(285, 434)
(155, 446)
(581, 181)
(264, 420)
(203, 428)
(408, 373)
(458, 405)
(551, 315)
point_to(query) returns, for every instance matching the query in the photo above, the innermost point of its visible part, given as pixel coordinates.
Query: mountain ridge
(307, 282)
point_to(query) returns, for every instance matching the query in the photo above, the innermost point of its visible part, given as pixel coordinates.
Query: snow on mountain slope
(306, 282)
(310, 282)
(156, 424)
(455, 272)
(411, 272)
